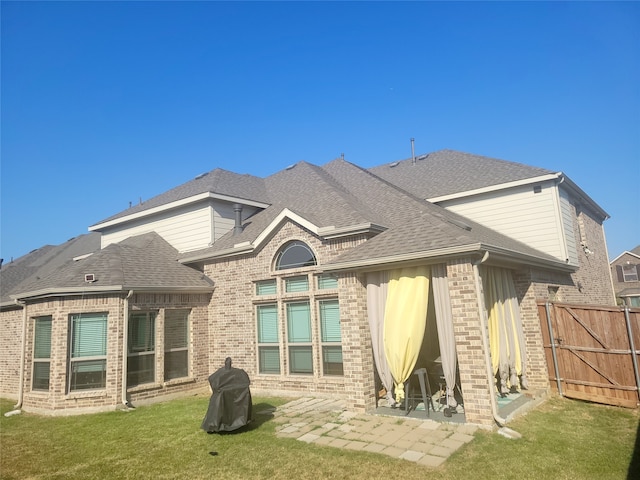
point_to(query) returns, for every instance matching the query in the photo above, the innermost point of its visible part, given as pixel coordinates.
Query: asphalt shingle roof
(141, 262)
(342, 194)
(222, 182)
(448, 172)
(42, 262)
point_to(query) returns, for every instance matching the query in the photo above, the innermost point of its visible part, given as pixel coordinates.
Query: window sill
(86, 394)
(179, 381)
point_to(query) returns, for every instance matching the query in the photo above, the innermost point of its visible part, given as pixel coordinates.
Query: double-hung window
(331, 337)
(299, 337)
(88, 351)
(176, 343)
(630, 273)
(268, 340)
(41, 353)
(142, 339)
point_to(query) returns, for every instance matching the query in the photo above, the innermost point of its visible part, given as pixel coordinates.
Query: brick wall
(474, 378)
(232, 319)
(10, 349)
(58, 400)
(591, 284)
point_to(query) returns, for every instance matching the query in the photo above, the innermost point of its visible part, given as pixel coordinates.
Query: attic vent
(290, 167)
(90, 278)
(394, 164)
(422, 157)
(202, 175)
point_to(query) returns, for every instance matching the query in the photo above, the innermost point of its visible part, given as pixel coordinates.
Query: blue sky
(106, 103)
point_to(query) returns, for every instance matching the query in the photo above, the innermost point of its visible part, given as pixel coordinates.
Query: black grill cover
(230, 403)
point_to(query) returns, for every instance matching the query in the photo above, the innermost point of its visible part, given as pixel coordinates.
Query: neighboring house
(303, 278)
(625, 270)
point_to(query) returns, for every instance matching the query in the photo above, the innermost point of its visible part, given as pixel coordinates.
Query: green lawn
(562, 439)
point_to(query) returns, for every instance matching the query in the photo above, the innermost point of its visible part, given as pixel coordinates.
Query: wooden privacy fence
(592, 352)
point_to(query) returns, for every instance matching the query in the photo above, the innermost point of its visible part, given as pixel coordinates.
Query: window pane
(330, 321)
(140, 369)
(42, 338)
(299, 322)
(176, 329)
(301, 360)
(176, 364)
(295, 255)
(269, 359)
(89, 335)
(266, 287)
(297, 284)
(142, 332)
(88, 374)
(332, 360)
(327, 282)
(41, 375)
(267, 323)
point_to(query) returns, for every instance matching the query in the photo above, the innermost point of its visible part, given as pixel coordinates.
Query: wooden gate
(592, 352)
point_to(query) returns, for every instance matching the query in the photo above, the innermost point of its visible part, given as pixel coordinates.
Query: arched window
(295, 254)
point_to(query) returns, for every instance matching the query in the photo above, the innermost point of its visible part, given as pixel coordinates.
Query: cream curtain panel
(506, 337)
(377, 283)
(404, 322)
(444, 321)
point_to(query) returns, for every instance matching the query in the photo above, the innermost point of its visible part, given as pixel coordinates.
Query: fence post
(633, 347)
(553, 349)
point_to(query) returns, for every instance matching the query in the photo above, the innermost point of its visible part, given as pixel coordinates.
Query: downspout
(23, 354)
(485, 344)
(125, 348)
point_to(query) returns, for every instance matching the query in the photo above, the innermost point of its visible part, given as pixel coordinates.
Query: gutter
(485, 344)
(125, 348)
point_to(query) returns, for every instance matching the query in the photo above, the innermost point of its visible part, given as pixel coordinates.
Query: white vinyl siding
(187, 228)
(568, 216)
(532, 218)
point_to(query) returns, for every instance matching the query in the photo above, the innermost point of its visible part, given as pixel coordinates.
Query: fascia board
(494, 188)
(577, 191)
(176, 204)
(59, 291)
(449, 252)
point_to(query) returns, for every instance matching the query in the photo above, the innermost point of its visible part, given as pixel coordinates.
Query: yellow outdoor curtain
(404, 321)
(506, 337)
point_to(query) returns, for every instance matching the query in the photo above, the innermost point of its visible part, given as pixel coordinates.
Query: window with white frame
(141, 356)
(630, 273)
(268, 338)
(330, 337)
(88, 351)
(176, 343)
(41, 353)
(299, 337)
(298, 317)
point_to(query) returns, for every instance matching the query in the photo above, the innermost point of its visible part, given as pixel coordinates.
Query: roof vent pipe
(237, 228)
(413, 152)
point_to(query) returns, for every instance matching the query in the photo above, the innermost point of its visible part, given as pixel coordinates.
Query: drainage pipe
(22, 354)
(554, 354)
(125, 348)
(632, 346)
(485, 343)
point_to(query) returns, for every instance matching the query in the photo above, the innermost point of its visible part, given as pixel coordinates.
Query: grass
(562, 439)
